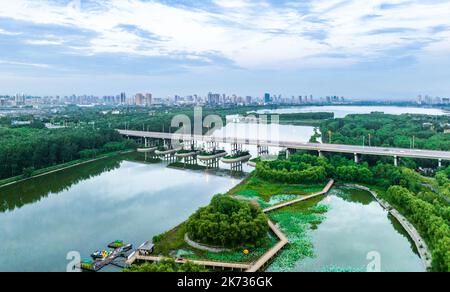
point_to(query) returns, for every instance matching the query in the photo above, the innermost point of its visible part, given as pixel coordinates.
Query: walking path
(279, 206)
(211, 264)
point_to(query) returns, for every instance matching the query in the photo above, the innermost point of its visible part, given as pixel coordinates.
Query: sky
(377, 49)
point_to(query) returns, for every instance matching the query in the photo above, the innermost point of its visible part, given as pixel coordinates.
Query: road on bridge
(336, 148)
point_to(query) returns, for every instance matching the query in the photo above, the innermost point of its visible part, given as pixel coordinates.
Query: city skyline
(378, 50)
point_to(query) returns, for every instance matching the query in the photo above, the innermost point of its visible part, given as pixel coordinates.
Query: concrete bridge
(357, 151)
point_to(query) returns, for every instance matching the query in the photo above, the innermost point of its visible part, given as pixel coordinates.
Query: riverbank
(60, 167)
(422, 248)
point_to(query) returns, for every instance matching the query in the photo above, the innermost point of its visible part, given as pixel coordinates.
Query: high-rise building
(213, 98)
(267, 98)
(139, 99)
(148, 99)
(123, 98)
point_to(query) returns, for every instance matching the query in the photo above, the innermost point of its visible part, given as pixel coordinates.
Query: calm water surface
(343, 111)
(85, 208)
(354, 226)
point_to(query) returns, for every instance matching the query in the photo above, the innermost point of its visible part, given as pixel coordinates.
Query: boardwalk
(279, 206)
(209, 264)
(252, 267)
(261, 262)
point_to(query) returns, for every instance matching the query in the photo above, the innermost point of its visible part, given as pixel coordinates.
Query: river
(85, 208)
(343, 111)
(355, 229)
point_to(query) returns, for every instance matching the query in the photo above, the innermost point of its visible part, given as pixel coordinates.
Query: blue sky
(387, 49)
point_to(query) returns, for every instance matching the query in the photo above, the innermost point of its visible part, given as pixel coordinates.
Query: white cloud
(253, 34)
(4, 32)
(15, 63)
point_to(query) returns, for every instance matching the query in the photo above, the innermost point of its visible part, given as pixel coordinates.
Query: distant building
(148, 99)
(123, 98)
(213, 98)
(267, 98)
(139, 99)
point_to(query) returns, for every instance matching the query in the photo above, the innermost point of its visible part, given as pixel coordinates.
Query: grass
(256, 187)
(170, 241)
(237, 256)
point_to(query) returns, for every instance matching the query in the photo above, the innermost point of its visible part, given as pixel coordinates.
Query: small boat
(116, 244)
(126, 248)
(87, 265)
(100, 254)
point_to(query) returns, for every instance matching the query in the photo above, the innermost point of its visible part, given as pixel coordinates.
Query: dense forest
(378, 129)
(23, 150)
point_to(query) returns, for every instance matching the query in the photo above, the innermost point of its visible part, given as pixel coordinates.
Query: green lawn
(173, 241)
(256, 187)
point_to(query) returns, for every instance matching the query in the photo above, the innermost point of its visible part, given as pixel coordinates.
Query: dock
(99, 264)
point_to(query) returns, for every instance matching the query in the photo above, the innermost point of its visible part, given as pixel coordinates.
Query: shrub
(228, 222)
(168, 265)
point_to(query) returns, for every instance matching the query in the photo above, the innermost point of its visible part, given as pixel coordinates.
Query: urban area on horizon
(211, 99)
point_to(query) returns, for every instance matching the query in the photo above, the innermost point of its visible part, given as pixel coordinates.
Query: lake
(85, 208)
(343, 111)
(356, 226)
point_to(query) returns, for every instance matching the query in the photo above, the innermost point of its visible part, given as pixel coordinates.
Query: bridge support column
(357, 158)
(263, 150)
(236, 167)
(321, 154)
(289, 152)
(440, 163)
(396, 161)
(236, 148)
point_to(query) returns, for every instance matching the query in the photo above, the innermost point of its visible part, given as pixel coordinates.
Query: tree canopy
(228, 222)
(168, 266)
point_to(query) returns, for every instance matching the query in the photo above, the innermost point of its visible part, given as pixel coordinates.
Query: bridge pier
(396, 161)
(357, 158)
(440, 163)
(289, 152)
(321, 153)
(210, 146)
(191, 160)
(236, 167)
(263, 150)
(236, 148)
(212, 164)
